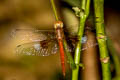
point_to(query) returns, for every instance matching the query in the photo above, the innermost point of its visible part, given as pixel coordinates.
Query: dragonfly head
(58, 24)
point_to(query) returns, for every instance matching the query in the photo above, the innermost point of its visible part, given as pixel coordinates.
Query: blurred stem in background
(101, 38)
(115, 58)
(69, 56)
(83, 14)
(90, 56)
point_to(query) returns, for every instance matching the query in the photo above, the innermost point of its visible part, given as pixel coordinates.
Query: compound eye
(58, 24)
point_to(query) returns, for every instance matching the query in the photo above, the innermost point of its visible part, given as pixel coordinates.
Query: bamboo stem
(84, 12)
(101, 38)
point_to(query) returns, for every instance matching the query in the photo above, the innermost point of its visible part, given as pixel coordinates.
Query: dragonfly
(46, 43)
(50, 44)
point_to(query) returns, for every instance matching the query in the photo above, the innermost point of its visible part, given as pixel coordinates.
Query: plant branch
(69, 56)
(113, 53)
(54, 10)
(101, 38)
(84, 12)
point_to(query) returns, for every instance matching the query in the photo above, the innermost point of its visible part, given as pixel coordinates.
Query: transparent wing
(32, 34)
(38, 42)
(39, 48)
(35, 42)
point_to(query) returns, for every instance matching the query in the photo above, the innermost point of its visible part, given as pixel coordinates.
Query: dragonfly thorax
(59, 33)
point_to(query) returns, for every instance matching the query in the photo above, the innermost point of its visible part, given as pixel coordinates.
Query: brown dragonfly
(40, 42)
(43, 43)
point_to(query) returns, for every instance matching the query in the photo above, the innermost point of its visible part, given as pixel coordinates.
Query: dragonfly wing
(40, 48)
(73, 40)
(30, 35)
(35, 42)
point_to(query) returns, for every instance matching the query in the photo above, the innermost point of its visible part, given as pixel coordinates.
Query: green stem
(101, 38)
(85, 5)
(113, 53)
(54, 10)
(69, 56)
